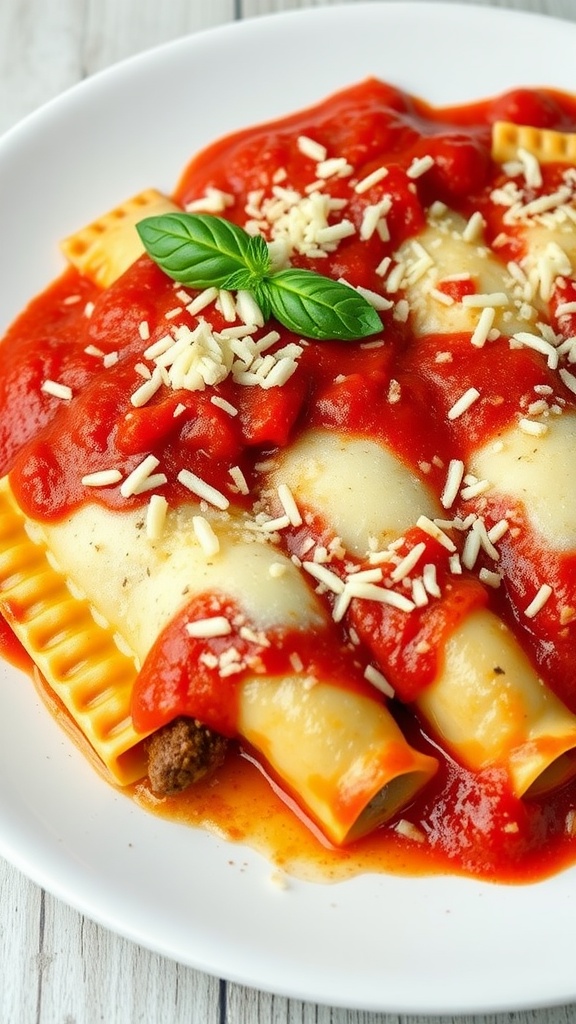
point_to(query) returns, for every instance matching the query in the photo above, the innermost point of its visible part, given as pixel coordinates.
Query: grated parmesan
(102, 478)
(203, 490)
(289, 505)
(139, 477)
(205, 535)
(325, 576)
(57, 390)
(409, 562)
(312, 149)
(538, 602)
(433, 530)
(205, 629)
(377, 679)
(419, 166)
(452, 484)
(464, 403)
(156, 516)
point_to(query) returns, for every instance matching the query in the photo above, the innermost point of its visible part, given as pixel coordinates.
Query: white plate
(437, 945)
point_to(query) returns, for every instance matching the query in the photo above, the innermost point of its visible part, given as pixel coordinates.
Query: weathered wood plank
(93, 975)
(21, 963)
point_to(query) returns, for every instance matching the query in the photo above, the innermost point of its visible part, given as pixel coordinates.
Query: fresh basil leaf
(257, 255)
(262, 296)
(243, 279)
(318, 307)
(200, 250)
(203, 251)
(247, 281)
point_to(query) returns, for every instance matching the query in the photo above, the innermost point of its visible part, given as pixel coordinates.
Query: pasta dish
(286, 477)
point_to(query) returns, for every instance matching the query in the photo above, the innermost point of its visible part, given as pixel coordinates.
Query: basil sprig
(202, 251)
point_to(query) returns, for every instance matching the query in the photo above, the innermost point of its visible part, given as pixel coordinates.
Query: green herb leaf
(241, 280)
(320, 308)
(200, 250)
(257, 255)
(248, 281)
(262, 298)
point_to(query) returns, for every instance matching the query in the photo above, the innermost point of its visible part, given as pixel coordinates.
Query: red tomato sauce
(177, 658)
(11, 649)
(89, 340)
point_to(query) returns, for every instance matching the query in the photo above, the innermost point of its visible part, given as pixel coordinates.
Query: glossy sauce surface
(473, 827)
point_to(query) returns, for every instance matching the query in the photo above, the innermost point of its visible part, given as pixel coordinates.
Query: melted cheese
(358, 485)
(339, 753)
(538, 472)
(487, 704)
(489, 708)
(443, 251)
(138, 585)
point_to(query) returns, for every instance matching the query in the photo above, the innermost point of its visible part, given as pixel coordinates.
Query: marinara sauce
(392, 389)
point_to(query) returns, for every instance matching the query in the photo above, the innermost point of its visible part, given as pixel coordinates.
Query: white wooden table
(57, 967)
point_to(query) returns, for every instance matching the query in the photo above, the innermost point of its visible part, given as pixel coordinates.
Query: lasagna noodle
(342, 756)
(547, 145)
(105, 248)
(482, 715)
(533, 486)
(489, 707)
(339, 753)
(78, 657)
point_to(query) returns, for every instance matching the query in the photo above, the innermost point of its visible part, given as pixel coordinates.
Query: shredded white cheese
(203, 490)
(377, 679)
(102, 478)
(463, 403)
(538, 602)
(57, 390)
(156, 516)
(205, 629)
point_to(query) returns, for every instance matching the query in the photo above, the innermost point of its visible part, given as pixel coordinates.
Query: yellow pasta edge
(77, 657)
(546, 145)
(105, 248)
